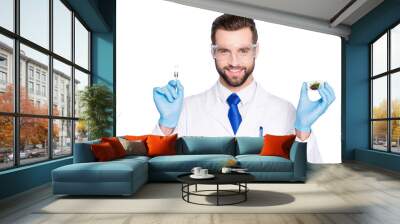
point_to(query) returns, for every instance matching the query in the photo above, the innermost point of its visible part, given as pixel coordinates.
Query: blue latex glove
(309, 111)
(169, 102)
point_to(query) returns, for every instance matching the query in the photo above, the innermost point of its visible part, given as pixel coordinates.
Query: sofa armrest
(83, 152)
(298, 155)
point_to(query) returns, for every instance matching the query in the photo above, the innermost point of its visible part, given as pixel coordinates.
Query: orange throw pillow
(103, 152)
(116, 145)
(161, 145)
(277, 145)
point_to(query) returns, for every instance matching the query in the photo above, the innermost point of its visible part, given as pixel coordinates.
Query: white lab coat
(206, 114)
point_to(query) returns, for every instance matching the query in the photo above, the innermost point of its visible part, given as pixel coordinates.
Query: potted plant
(97, 106)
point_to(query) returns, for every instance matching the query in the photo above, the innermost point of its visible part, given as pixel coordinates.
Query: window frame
(15, 71)
(388, 74)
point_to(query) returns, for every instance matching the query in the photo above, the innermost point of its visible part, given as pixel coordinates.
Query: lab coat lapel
(217, 110)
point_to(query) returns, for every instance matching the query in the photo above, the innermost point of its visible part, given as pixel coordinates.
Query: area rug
(167, 198)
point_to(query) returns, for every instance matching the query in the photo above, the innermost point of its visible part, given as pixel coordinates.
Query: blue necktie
(233, 113)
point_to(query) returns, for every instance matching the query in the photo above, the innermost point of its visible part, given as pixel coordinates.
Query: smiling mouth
(234, 71)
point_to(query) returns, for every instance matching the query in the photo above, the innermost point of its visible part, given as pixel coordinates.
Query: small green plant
(97, 106)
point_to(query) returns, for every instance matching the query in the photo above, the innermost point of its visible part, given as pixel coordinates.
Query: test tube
(176, 74)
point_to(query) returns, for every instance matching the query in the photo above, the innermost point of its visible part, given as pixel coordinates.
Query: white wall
(154, 35)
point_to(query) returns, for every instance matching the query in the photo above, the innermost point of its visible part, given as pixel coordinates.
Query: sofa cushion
(111, 171)
(185, 163)
(249, 145)
(196, 145)
(257, 163)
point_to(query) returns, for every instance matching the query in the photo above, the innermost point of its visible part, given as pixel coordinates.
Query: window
(385, 92)
(6, 73)
(37, 89)
(81, 81)
(30, 87)
(62, 137)
(81, 45)
(34, 21)
(7, 14)
(37, 75)
(3, 61)
(44, 91)
(3, 78)
(6, 142)
(54, 126)
(62, 29)
(62, 75)
(43, 77)
(30, 72)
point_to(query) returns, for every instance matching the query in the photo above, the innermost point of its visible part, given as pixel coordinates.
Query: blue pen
(261, 131)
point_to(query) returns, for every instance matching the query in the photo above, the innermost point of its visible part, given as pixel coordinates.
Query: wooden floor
(378, 188)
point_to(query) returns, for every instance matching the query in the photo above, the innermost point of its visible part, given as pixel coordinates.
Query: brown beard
(247, 73)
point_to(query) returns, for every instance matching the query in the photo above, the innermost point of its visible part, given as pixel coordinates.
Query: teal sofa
(125, 176)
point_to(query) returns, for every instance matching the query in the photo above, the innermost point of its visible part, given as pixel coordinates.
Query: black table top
(220, 178)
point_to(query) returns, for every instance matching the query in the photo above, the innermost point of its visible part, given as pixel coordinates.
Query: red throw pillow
(103, 151)
(161, 145)
(277, 145)
(116, 145)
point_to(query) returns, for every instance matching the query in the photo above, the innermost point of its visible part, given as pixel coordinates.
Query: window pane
(6, 142)
(81, 131)
(81, 45)
(62, 29)
(34, 81)
(62, 89)
(379, 135)
(379, 98)
(7, 14)
(379, 55)
(395, 94)
(33, 139)
(395, 136)
(62, 137)
(395, 47)
(35, 21)
(81, 81)
(6, 74)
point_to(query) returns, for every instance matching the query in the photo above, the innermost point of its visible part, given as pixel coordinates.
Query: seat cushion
(195, 145)
(249, 145)
(185, 163)
(112, 171)
(257, 163)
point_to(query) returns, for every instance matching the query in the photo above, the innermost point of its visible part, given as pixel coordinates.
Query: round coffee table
(238, 179)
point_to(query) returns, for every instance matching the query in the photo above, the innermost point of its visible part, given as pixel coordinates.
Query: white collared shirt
(246, 95)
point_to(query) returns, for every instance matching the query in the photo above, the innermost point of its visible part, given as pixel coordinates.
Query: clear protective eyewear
(242, 53)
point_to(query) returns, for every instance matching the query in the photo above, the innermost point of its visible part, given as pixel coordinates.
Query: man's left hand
(309, 111)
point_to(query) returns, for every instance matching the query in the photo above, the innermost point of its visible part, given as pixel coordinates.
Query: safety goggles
(243, 53)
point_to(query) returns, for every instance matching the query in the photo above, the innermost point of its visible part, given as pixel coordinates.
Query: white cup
(196, 170)
(226, 170)
(203, 172)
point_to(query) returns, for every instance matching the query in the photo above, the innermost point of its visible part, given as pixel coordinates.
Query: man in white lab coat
(236, 105)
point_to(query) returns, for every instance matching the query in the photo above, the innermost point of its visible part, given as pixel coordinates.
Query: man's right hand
(169, 101)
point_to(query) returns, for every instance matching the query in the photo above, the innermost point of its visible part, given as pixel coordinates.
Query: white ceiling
(324, 16)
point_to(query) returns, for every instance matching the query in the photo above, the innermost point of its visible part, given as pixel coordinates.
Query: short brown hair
(232, 23)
